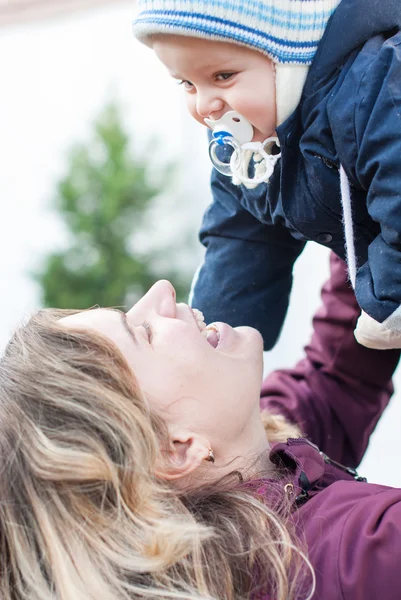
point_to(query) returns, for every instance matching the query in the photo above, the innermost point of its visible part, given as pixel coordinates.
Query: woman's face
(212, 390)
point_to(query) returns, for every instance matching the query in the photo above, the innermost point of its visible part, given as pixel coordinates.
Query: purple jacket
(337, 394)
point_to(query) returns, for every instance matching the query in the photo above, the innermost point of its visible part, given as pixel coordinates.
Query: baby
(303, 101)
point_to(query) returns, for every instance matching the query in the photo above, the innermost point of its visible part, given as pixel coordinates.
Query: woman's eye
(224, 76)
(149, 331)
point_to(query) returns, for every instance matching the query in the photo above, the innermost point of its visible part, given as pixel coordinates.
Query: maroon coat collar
(309, 469)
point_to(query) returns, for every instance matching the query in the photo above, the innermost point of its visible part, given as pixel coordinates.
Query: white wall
(55, 78)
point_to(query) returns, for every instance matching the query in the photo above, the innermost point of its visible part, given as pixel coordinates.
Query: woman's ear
(186, 453)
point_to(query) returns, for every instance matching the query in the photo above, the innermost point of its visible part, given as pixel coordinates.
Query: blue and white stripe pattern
(288, 31)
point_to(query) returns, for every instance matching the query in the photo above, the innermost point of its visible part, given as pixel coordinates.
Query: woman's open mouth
(209, 332)
(212, 335)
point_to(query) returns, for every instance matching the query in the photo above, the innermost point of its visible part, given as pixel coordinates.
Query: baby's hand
(372, 334)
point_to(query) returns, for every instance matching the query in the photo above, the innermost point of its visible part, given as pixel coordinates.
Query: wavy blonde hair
(82, 515)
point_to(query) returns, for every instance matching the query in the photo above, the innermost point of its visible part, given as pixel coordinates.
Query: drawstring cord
(348, 225)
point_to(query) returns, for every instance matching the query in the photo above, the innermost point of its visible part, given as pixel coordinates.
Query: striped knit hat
(287, 31)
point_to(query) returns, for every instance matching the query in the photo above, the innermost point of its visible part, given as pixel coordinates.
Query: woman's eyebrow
(125, 324)
(128, 328)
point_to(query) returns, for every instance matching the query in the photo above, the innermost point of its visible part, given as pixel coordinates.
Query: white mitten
(372, 334)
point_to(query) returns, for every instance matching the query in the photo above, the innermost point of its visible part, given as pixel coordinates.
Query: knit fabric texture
(288, 31)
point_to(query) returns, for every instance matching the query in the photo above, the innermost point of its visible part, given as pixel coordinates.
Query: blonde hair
(277, 428)
(82, 515)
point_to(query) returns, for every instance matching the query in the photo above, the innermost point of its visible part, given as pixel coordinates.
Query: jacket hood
(352, 24)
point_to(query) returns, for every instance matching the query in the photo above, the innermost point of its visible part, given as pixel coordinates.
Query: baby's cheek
(191, 106)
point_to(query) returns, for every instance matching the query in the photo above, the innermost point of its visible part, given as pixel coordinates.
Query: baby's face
(221, 76)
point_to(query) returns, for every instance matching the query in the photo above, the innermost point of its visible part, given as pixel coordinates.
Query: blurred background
(86, 112)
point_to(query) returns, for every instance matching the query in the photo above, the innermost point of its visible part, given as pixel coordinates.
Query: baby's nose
(209, 106)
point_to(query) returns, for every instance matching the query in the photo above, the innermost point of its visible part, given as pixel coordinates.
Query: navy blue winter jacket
(349, 114)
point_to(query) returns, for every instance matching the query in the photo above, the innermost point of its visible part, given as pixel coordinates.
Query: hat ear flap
(290, 81)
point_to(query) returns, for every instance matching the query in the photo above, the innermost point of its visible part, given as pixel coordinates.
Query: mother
(135, 462)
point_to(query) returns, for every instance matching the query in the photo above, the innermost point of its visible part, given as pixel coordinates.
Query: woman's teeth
(200, 319)
(209, 332)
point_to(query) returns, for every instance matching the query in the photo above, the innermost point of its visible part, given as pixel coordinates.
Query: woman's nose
(161, 299)
(208, 104)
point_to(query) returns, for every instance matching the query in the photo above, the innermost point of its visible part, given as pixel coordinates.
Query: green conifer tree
(104, 200)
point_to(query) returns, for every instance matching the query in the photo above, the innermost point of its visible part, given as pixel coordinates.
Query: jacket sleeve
(353, 534)
(246, 277)
(337, 393)
(369, 556)
(376, 168)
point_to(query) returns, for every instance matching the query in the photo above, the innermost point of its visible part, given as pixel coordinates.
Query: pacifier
(233, 125)
(234, 131)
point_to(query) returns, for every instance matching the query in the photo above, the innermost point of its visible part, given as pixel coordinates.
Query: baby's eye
(186, 84)
(224, 76)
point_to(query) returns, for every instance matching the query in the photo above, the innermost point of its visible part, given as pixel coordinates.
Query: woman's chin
(252, 339)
